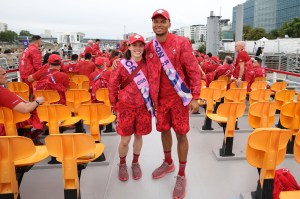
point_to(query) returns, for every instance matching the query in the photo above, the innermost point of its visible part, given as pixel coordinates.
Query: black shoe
(205, 128)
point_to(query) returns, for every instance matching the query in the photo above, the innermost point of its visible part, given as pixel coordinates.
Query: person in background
(73, 66)
(86, 67)
(31, 59)
(243, 65)
(130, 99)
(170, 62)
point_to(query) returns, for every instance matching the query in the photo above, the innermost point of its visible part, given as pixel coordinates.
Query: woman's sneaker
(123, 173)
(136, 171)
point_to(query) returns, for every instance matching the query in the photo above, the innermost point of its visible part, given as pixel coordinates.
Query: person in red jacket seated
(51, 78)
(206, 64)
(226, 69)
(86, 67)
(30, 59)
(100, 77)
(14, 101)
(73, 66)
(96, 48)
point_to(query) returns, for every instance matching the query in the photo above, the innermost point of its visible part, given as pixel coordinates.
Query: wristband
(37, 102)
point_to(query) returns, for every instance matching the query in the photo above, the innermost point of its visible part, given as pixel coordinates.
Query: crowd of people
(161, 78)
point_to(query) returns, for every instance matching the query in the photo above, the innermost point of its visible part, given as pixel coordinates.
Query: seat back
(102, 95)
(19, 88)
(51, 96)
(232, 111)
(284, 96)
(91, 114)
(259, 95)
(12, 148)
(9, 118)
(68, 148)
(71, 74)
(262, 114)
(279, 86)
(54, 114)
(290, 116)
(259, 85)
(75, 97)
(235, 95)
(220, 84)
(203, 84)
(298, 97)
(260, 79)
(297, 148)
(80, 81)
(243, 85)
(266, 148)
(224, 78)
(210, 95)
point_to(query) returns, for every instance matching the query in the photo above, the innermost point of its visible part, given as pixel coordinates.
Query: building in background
(213, 34)
(3, 27)
(267, 14)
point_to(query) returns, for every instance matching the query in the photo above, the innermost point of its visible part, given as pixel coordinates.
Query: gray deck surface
(207, 177)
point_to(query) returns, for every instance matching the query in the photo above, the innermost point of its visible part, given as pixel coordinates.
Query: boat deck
(208, 177)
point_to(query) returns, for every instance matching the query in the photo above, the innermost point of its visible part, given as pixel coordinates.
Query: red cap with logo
(136, 37)
(161, 12)
(54, 59)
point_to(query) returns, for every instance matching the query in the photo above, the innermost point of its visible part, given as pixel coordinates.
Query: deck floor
(207, 177)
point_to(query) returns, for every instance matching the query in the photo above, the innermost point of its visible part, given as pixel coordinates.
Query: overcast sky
(107, 19)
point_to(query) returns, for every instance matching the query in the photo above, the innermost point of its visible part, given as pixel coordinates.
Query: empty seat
(283, 97)
(80, 82)
(19, 88)
(235, 95)
(76, 97)
(72, 149)
(16, 151)
(51, 96)
(260, 79)
(243, 85)
(262, 114)
(258, 85)
(259, 95)
(278, 86)
(266, 148)
(102, 96)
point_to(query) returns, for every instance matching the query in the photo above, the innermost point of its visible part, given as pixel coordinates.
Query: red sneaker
(179, 189)
(123, 173)
(163, 170)
(136, 171)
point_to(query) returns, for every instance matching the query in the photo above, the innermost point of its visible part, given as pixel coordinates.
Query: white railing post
(274, 77)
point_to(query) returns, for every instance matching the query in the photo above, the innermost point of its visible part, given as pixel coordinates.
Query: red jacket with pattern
(180, 53)
(30, 61)
(128, 97)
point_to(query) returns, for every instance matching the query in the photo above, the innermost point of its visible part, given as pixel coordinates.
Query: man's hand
(41, 100)
(238, 83)
(194, 106)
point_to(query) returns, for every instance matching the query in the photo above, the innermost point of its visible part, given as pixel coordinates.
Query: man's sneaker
(163, 170)
(136, 171)
(123, 173)
(179, 190)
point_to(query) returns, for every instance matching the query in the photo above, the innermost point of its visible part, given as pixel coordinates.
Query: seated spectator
(86, 67)
(73, 66)
(51, 78)
(257, 69)
(14, 101)
(100, 77)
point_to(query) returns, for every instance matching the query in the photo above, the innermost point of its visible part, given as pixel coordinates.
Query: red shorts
(172, 113)
(134, 120)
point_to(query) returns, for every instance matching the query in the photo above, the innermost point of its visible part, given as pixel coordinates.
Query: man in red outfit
(96, 48)
(168, 99)
(243, 65)
(86, 67)
(31, 59)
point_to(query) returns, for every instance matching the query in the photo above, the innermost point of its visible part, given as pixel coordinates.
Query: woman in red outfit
(129, 101)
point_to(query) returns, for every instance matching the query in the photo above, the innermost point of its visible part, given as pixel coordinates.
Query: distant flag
(25, 42)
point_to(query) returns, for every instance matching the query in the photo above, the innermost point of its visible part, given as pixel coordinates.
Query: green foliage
(246, 29)
(292, 29)
(202, 48)
(256, 34)
(8, 36)
(25, 33)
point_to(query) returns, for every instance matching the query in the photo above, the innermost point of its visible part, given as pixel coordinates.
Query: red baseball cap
(99, 61)
(54, 59)
(161, 12)
(215, 58)
(136, 37)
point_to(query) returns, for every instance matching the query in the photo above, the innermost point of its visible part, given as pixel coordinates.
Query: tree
(246, 29)
(8, 36)
(292, 29)
(256, 34)
(273, 34)
(202, 48)
(25, 33)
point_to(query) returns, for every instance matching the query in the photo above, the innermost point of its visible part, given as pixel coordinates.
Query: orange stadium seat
(259, 95)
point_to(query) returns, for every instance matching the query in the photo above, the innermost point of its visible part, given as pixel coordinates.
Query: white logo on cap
(160, 11)
(137, 36)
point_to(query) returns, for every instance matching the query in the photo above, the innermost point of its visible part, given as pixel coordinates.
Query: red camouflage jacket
(180, 53)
